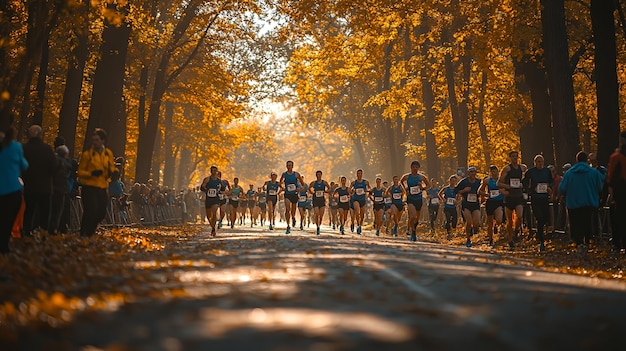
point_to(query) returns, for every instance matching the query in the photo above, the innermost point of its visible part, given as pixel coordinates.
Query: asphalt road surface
(255, 289)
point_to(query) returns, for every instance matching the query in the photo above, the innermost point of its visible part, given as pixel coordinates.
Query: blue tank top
(213, 187)
(378, 195)
(291, 182)
(493, 190)
(250, 195)
(302, 194)
(359, 189)
(272, 188)
(449, 193)
(396, 194)
(470, 198)
(414, 187)
(318, 189)
(235, 194)
(433, 194)
(344, 195)
(262, 198)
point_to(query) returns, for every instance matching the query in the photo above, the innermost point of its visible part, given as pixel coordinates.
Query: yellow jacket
(92, 160)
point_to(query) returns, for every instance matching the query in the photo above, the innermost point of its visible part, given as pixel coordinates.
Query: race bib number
(542, 188)
(515, 183)
(450, 201)
(319, 193)
(360, 191)
(235, 198)
(222, 197)
(397, 196)
(378, 199)
(302, 198)
(434, 201)
(262, 200)
(494, 193)
(472, 198)
(344, 198)
(387, 200)
(272, 192)
(212, 193)
(414, 190)
(291, 187)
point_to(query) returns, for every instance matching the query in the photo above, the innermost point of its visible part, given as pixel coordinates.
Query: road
(255, 289)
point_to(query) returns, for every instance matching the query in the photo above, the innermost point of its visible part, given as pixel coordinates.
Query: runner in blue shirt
(223, 199)
(318, 189)
(289, 181)
(448, 196)
(433, 202)
(378, 199)
(414, 183)
(468, 188)
(272, 188)
(396, 191)
(302, 203)
(359, 187)
(494, 206)
(211, 186)
(342, 194)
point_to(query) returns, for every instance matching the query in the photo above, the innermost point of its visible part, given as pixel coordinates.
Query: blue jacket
(581, 186)
(12, 163)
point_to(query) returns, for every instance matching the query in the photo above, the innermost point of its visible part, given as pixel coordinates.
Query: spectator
(538, 182)
(60, 189)
(116, 187)
(581, 186)
(616, 179)
(95, 167)
(13, 163)
(38, 180)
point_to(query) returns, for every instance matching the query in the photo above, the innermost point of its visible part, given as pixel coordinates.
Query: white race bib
(344, 198)
(319, 193)
(302, 198)
(262, 200)
(222, 197)
(360, 191)
(235, 198)
(272, 192)
(434, 201)
(542, 188)
(494, 193)
(515, 183)
(450, 201)
(211, 193)
(414, 190)
(378, 199)
(472, 198)
(387, 200)
(291, 187)
(397, 196)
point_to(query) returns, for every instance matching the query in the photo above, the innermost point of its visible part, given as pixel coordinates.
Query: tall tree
(556, 49)
(607, 89)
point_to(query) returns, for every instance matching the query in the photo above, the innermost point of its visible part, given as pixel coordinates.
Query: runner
(539, 182)
(448, 196)
(251, 196)
(289, 180)
(414, 182)
(342, 194)
(468, 188)
(510, 184)
(223, 199)
(352, 217)
(494, 204)
(396, 191)
(211, 186)
(387, 214)
(302, 199)
(433, 202)
(333, 202)
(379, 204)
(272, 188)
(318, 189)
(261, 205)
(360, 187)
(235, 192)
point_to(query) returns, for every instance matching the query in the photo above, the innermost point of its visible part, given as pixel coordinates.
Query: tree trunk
(607, 90)
(108, 84)
(68, 116)
(184, 168)
(170, 162)
(459, 123)
(555, 46)
(156, 158)
(433, 166)
(42, 77)
(480, 120)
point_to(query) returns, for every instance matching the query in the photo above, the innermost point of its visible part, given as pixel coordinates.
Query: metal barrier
(126, 214)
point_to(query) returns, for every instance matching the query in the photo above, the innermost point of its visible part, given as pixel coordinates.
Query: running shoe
(341, 230)
(468, 243)
(413, 236)
(377, 232)
(288, 230)
(219, 224)
(232, 226)
(318, 230)
(352, 227)
(358, 230)
(271, 228)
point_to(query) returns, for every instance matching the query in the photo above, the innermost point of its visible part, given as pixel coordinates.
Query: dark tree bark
(484, 137)
(168, 149)
(432, 158)
(68, 116)
(460, 123)
(108, 84)
(536, 137)
(42, 77)
(607, 90)
(555, 46)
(184, 168)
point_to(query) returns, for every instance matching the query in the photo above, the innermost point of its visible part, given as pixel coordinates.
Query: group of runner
(502, 192)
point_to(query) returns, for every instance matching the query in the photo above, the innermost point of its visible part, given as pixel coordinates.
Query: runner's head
(415, 166)
(433, 183)
(452, 180)
(214, 172)
(378, 181)
(318, 175)
(396, 180)
(471, 172)
(236, 180)
(539, 161)
(289, 165)
(514, 157)
(251, 186)
(494, 171)
(581, 156)
(343, 181)
(273, 176)
(359, 173)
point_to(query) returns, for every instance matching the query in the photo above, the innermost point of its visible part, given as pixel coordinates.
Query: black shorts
(379, 206)
(263, 206)
(273, 199)
(223, 201)
(334, 205)
(211, 201)
(416, 203)
(319, 202)
(234, 203)
(471, 206)
(512, 202)
(492, 206)
(251, 204)
(293, 198)
(361, 202)
(344, 206)
(400, 207)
